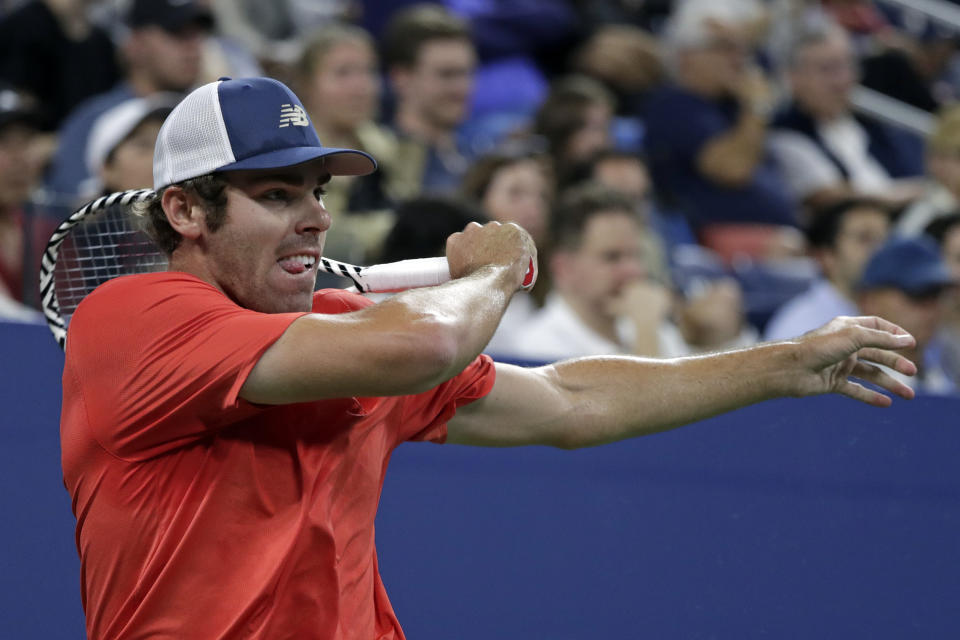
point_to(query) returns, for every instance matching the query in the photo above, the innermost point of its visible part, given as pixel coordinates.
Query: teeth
(306, 261)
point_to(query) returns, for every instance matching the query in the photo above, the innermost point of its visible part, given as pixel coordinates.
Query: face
(130, 166)
(19, 168)
(593, 136)
(861, 232)
(823, 76)
(718, 66)
(610, 256)
(944, 166)
(625, 175)
(265, 255)
(171, 61)
(439, 84)
(344, 89)
(520, 193)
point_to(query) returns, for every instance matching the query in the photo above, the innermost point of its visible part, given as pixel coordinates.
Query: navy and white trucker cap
(247, 123)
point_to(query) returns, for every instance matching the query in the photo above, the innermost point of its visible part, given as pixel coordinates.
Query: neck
(413, 124)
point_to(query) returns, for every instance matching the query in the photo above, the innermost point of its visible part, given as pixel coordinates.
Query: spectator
(515, 188)
(946, 231)
(19, 173)
(424, 224)
(575, 122)
(120, 152)
(602, 300)
(906, 281)
(430, 60)
(710, 312)
(338, 78)
(50, 49)
(162, 52)
(706, 135)
(841, 239)
(941, 195)
(826, 151)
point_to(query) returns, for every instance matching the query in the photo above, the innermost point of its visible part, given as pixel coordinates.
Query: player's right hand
(493, 244)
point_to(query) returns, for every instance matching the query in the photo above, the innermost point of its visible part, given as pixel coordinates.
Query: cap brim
(339, 162)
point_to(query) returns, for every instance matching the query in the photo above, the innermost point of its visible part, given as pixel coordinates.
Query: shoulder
(153, 293)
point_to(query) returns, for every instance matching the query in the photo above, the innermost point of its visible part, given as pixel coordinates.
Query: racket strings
(99, 248)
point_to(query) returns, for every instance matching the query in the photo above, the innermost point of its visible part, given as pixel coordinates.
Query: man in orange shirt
(226, 430)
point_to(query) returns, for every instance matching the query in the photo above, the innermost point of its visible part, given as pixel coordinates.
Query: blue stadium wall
(815, 518)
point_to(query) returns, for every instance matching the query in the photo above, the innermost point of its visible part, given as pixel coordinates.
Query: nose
(315, 218)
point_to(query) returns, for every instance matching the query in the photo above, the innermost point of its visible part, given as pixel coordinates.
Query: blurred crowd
(695, 172)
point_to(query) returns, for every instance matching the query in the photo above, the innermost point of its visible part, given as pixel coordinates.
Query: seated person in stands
(826, 151)
(841, 239)
(907, 281)
(430, 61)
(941, 194)
(515, 187)
(945, 230)
(120, 151)
(162, 50)
(20, 165)
(574, 121)
(707, 133)
(338, 78)
(603, 301)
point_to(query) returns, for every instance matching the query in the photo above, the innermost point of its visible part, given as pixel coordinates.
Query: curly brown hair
(210, 189)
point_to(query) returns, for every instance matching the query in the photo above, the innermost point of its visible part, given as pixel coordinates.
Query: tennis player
(226, 430)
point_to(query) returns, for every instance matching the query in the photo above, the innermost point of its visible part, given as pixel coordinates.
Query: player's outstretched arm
(591, 401)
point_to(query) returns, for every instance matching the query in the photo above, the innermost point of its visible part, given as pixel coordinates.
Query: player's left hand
(848, 348)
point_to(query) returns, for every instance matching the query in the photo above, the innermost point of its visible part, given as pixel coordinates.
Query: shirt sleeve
(425, 415)
(161, 360)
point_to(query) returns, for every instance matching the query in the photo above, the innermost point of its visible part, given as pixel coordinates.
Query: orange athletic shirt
(200, 515)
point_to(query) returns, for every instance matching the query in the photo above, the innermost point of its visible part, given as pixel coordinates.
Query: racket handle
(419, 272)
(405, 274)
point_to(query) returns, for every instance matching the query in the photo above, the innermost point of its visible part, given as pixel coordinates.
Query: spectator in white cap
(162, 52)
(120, 151)
(226, 430)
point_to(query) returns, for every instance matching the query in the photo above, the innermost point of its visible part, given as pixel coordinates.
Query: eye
(318, 193)
(276, 195)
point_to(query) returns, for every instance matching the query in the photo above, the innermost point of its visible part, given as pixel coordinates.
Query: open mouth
(297, 264)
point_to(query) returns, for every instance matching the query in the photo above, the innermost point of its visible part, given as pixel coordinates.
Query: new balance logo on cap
(293, 114)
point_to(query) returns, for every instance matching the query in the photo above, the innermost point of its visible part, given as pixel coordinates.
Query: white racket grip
(405, 274)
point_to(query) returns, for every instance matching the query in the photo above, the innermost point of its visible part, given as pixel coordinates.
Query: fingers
(861, 393)
(879, 324)
(888, 359)
(877, 376)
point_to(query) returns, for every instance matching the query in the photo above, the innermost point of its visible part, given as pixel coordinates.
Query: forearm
(731, 158)
(464, 313)
(611, 399)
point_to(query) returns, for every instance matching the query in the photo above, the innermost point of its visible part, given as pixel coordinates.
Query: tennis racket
(106, 238)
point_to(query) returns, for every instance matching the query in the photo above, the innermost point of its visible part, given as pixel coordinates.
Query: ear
(184, 215)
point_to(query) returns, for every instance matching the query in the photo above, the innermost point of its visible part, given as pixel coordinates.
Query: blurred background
(698, 175)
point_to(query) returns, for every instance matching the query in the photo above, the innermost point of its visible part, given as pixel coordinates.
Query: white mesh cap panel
(193, 141)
